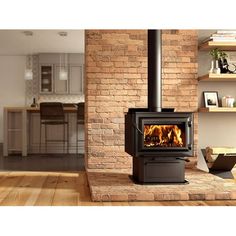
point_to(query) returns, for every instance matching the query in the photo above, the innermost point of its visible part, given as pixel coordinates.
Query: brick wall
(116, 79)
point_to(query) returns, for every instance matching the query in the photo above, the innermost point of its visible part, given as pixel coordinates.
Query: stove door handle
(135, 126)
(182, 159)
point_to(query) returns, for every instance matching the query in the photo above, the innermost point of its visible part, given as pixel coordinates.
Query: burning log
(162, 136)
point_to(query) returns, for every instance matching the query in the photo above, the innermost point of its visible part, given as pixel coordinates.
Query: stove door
(165, 136)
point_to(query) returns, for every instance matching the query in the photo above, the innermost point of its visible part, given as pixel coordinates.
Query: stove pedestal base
(158, 183)
(158, 170)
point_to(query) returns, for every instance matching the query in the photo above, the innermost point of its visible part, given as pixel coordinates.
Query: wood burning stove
(158, 139)
(160, 134)
(158, 142)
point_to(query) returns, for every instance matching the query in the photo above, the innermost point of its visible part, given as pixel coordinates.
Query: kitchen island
(22, 129)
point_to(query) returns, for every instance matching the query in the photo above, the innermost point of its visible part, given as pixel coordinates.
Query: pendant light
(63, 72)
(29, 69)
(29, 59)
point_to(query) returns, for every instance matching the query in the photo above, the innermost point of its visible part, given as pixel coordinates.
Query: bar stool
(80, 121)
(52, 113)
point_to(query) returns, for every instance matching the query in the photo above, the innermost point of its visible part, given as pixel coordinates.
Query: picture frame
(211, 99)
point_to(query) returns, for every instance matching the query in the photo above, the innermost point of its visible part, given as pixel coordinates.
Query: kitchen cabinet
(46, 78)
(22, 128)
(49, 74)
(61, 86)
(15, 139)
(76, 79)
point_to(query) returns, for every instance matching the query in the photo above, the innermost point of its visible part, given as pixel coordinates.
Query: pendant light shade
(63, 75)
(28, 74)
(29, 69)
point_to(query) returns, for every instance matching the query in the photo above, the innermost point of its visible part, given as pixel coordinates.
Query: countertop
(36, 109)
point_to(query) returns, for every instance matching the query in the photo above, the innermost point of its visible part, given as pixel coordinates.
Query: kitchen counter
(22, 128)
(36, 109)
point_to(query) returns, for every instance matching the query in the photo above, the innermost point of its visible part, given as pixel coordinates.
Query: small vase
(216, 69)
(212, 67)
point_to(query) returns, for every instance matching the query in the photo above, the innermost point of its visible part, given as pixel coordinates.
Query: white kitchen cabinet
(61, 86)
(76, 79)
(46, 78)
(49, 74)
(15, 137)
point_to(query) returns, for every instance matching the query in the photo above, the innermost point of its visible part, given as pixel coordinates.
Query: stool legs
(65, 138)
(46, 140)
(40, 137)
(77, 137)
(68, 141)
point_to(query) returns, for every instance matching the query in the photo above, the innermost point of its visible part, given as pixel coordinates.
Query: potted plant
(215, 54)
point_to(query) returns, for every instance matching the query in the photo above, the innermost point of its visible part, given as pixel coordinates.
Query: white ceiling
(15, 42)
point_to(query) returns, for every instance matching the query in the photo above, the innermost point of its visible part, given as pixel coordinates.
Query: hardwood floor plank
(3, 176)
(24, 192)
(230, 203)
(84, 198)
(145, 204)
(66, 191)
(171, 203)
(120, 203)
(8, 185)
(46, 195)
(192, 203)
(107, 203)
(35, 190)
(221, 203)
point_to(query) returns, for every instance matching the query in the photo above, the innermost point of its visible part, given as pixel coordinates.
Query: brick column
(116, 79)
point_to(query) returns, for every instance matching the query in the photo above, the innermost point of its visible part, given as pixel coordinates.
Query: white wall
(215, 129)
(12, 84)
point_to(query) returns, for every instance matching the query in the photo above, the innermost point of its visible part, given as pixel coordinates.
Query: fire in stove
(163, 136)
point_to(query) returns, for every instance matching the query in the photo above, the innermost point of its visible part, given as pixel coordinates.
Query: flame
(162, 136)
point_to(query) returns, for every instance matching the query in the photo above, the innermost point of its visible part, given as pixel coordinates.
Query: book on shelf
(226, 31)
(223, 35)
(224, 39)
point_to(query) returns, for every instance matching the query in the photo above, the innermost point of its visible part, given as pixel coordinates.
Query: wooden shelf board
(218, 77)
(217, 109)
(227, 46)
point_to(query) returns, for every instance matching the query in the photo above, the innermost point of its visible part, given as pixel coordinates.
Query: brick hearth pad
(114, 185)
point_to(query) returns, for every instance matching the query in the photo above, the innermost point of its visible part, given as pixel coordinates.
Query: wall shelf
(225, 46)
(217, 109)
(218, 78)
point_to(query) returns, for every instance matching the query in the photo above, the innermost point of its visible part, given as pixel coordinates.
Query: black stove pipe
(154, 71)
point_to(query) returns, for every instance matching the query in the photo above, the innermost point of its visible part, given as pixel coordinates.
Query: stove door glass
(164, 135)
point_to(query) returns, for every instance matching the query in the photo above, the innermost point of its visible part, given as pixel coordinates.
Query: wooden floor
(66, 189)
(42, 162)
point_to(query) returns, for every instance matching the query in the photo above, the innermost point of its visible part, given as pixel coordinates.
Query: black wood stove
(158, 138)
